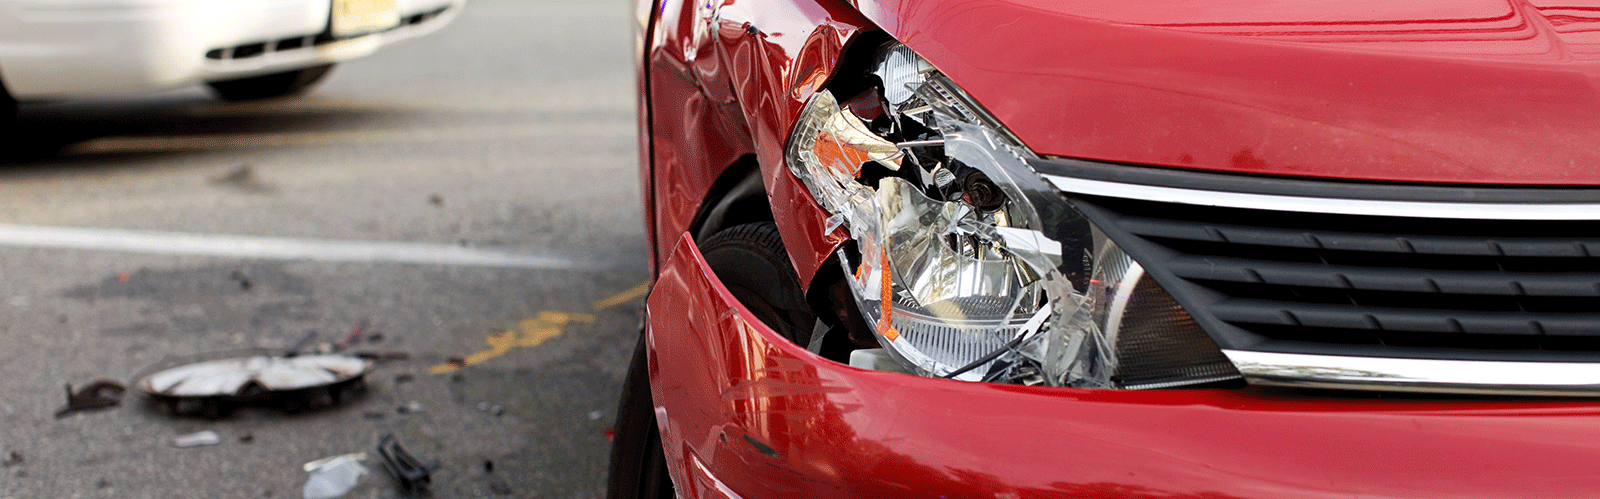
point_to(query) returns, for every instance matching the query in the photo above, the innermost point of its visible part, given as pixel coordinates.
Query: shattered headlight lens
(967, 263)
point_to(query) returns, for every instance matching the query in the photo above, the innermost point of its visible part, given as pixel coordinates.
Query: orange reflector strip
(886, 300)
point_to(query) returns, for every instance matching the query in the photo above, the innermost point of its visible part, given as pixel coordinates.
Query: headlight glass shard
(967, 263)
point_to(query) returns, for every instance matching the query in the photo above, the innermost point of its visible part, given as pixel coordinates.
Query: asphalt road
(470, 196)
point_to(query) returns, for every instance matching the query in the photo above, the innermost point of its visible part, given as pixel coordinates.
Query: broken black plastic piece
(413, 473)
(97, 395)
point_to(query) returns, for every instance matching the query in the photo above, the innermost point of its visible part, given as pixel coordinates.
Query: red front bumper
(747, 412)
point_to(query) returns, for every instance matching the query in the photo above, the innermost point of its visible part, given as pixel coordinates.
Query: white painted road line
(206, 142)
(320, 250)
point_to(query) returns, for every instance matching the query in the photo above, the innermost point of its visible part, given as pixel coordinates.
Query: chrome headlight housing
(967, 263)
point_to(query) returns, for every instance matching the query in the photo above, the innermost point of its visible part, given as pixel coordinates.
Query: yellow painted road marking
(622, 297)
(534, 332)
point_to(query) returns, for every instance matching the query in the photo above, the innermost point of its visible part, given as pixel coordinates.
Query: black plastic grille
(1371, 286)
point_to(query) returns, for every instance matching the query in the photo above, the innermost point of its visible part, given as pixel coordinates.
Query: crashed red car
(1139, 249)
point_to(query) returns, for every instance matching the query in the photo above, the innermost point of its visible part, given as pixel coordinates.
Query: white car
(242, 49)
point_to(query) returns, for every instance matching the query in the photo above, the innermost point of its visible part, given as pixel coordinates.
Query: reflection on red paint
(1476, 91)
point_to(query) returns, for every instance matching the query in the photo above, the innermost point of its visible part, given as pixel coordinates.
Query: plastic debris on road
(333, 477)
(207, 437)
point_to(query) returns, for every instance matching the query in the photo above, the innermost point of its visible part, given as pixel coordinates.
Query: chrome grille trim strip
(1418, 375)
(1337, 206)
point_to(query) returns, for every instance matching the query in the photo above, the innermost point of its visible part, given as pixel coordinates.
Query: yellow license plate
(359, 17)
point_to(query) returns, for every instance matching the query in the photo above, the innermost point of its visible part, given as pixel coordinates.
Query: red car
(1141, 249)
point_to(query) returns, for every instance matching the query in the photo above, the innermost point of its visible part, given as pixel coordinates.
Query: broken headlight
(967, 263)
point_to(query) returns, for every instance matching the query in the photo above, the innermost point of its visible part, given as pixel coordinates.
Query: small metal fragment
(207, 437)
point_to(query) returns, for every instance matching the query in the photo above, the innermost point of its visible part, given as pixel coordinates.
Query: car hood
(1471, 91)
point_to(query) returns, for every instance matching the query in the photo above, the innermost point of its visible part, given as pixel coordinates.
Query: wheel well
(8, 104)
(737, 197)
